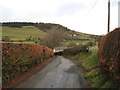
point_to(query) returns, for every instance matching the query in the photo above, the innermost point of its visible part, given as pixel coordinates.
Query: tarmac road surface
(60, 73)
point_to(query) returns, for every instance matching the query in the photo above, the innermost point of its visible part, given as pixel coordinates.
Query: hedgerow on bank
(109, 52)
(18, 57)
(76, 50)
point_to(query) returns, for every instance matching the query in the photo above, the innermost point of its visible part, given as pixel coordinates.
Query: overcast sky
(88, 16)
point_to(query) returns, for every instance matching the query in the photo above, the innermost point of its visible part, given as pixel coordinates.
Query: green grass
(107, 84)
(97, 79)
(29, 42)
(92, 74)
(82, 56)
(75, 42)
(97, 82)
(88, 60)
(92, 61)
(22, 33)
(93, 49)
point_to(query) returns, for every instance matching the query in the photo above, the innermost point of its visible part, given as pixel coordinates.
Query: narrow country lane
(60, 73)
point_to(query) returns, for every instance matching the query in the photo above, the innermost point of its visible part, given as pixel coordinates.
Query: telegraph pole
(119, 14)
(108, 16)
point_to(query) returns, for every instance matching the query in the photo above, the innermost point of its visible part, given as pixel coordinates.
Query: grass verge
(90, 61)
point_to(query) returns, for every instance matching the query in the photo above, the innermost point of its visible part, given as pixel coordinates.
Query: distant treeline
(42, 26)
(17, 24)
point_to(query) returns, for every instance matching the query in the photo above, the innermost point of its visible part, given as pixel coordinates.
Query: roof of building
(59, 48)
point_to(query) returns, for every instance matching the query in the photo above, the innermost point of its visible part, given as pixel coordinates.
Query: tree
(54, 37)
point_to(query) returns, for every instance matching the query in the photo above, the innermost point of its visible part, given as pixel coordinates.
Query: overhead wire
(94, 3)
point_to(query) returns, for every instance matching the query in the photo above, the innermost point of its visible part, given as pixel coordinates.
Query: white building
(119, 14)
(58, 49)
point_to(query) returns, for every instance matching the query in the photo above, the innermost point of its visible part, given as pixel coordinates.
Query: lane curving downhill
(60, 73)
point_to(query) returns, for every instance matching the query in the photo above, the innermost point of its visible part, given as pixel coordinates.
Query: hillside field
(25, 32)
(22, 33)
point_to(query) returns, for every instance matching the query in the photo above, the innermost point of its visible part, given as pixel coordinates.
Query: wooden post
(108, 16)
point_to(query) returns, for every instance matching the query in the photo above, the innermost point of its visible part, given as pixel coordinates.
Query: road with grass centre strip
(60, 73)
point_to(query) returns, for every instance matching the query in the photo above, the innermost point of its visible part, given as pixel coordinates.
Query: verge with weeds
(91, 63)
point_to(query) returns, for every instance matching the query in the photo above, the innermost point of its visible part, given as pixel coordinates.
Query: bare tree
(54, 37)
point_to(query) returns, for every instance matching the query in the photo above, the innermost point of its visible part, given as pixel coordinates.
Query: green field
(67, 43)
(22, 33)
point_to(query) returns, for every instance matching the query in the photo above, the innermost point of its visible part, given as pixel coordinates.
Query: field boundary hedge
(19, 79)
(76, 50)
(109, 52)
(19, 57)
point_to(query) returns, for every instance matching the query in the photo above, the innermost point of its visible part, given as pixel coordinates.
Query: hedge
(18, 57)
(76, 50)
(109, 52)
